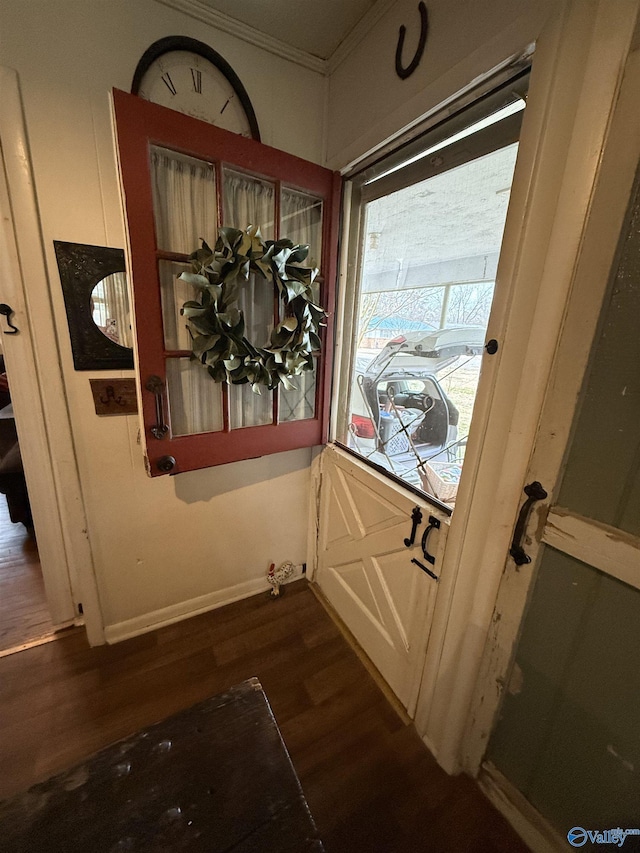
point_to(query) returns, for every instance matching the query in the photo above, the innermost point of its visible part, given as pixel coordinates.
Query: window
(182, 179)
(428, 229)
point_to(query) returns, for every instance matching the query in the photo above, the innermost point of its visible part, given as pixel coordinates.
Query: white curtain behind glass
(301, 222)
(185, 211)
(184, 201)
(195, 400)
(251, 201)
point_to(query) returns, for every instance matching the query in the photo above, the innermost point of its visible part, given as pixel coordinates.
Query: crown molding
(201, 12)
(357, 34)
(207, 15)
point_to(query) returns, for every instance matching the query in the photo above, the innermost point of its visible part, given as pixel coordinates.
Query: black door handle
(154, 384)
(434, 524)
(534, 492)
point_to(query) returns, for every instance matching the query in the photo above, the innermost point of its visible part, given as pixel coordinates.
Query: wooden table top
(216, 777)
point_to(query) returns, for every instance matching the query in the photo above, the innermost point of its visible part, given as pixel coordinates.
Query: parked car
(398, 405)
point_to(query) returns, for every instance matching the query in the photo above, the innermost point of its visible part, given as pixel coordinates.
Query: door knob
(166, 464)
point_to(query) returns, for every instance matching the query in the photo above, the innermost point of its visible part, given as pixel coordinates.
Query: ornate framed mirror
(96, 298)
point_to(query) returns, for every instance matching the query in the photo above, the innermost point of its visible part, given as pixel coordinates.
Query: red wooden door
(148, 134)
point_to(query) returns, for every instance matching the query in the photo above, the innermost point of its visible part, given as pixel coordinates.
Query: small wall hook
(7, 311)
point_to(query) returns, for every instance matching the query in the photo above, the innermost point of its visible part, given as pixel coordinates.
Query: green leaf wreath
(216, 322)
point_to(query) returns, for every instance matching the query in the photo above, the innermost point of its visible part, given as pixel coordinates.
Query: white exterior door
(416, 350)
(365, 569)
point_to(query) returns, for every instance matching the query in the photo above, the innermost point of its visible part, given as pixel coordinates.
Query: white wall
(200, 538)
(368, 102)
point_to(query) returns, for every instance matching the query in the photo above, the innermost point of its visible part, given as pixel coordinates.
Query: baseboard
(534, 830)
(184, 610)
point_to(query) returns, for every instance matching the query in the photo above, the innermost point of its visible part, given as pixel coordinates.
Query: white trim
(534, 830)
(315, 484)
(452, 104)
(606, 548)
(597, 251)
(183, 610)
(220, 21)
(346, 312)
(37, 390)
(574, 83)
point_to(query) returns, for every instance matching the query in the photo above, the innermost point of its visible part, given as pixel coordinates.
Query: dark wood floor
(23, 608)
(370, 783)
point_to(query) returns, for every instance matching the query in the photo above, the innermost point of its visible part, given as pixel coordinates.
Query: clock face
(198, 83)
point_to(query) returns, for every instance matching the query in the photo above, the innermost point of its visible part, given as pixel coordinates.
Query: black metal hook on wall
(401, 71)
(7, 311)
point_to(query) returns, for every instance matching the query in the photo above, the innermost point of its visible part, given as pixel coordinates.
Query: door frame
(37, 389)
(610, 169)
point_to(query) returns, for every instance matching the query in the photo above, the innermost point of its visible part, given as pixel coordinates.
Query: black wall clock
(188, 76)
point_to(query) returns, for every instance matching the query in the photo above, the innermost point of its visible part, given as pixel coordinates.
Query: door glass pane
(567, 737)
(174, 293)
(247, 408)
(602, 479)
(300, 403)
(301, 222)
(248, 201)
(195, 400)
(184, 201)
(429, 258)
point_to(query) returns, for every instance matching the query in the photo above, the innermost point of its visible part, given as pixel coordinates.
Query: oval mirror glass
(110, 309)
